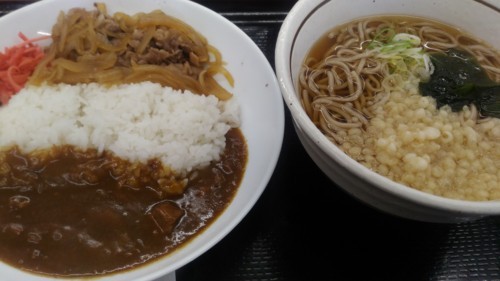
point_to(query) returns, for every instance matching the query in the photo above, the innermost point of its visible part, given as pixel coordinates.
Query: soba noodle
(360, 85)
(340, 87)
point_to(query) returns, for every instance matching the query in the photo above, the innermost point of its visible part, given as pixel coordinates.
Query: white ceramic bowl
(307, 21)
(256, 89)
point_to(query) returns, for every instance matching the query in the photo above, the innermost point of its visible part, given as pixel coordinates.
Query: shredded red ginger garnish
(17, 63)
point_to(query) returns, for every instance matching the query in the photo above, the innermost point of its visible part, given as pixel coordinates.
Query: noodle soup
(369, 87)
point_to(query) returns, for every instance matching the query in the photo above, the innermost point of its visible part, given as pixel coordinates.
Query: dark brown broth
(57, 218)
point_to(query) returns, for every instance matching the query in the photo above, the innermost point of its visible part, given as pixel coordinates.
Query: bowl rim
(300, 13)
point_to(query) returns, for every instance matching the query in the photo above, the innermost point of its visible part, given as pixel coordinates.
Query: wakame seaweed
(459, 80)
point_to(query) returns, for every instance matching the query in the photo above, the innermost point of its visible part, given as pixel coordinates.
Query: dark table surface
(305, 228)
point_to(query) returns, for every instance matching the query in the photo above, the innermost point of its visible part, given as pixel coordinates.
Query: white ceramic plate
(256, 89)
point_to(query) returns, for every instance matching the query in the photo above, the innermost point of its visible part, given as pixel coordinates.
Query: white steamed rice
(137, 122)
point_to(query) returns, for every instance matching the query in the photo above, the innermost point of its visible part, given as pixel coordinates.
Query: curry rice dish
(98, 175)
(167, 167)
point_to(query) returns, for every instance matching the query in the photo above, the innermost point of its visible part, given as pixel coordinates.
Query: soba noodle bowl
(360, 85)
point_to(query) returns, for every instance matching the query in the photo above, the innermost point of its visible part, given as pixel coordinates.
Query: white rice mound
(137, 122)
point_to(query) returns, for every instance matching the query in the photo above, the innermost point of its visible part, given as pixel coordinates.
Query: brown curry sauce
(70, 214)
